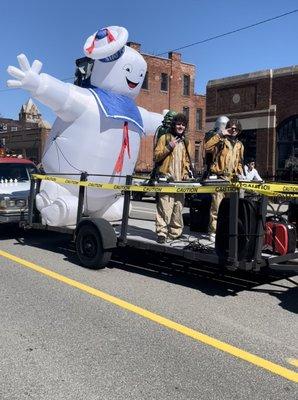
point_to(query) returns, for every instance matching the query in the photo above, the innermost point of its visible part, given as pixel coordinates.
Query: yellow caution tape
(272, 187)
(275, 189)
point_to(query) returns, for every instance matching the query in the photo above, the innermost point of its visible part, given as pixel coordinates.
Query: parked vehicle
(138, 196)
(14, 187)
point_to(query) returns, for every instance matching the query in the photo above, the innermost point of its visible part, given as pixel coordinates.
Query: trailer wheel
(90, 249)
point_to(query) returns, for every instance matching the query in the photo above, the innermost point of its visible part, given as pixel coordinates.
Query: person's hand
(241, 177)
(26, 77)
(174, 142)
(225, 132)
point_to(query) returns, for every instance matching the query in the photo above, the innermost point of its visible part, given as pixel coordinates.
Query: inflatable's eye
(142, 73)
(127, 67)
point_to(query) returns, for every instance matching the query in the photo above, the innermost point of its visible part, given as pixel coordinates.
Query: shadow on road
(51, 241)
(289, 299)
(211, 280)
(208, 279)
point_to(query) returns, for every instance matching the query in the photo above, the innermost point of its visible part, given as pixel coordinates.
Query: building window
(199, 118)
(249, 139)
(14, 128)
(186, 85)
(145, 82)
(164, 82)
(3, 127)
(287, 148)
(197, 152)
(186, 112)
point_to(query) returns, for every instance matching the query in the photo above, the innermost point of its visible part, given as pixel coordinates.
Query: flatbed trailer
(96, 239)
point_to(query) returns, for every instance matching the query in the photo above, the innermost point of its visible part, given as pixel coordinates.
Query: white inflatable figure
(97, 130)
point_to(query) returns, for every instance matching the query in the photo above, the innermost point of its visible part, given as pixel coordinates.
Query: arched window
(287, 146)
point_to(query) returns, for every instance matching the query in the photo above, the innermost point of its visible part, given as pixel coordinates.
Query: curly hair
(236, 123)
(180, 117)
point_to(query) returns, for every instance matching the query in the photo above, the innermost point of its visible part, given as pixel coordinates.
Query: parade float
(98, 128)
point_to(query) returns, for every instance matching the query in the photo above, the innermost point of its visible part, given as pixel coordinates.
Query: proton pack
(163, 129)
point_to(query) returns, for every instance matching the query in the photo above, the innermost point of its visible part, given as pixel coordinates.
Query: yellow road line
(293, 361)
(196, 335)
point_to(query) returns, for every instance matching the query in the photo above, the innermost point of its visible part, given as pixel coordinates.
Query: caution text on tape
(270, 189)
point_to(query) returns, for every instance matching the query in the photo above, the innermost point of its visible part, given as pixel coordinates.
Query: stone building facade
(169, 84)
(266, 103)
(27, 135)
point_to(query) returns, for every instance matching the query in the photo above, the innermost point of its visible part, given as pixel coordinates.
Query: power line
(207, 39)
(230, 32)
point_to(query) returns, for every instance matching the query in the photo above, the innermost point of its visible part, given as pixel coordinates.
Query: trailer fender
(105, 229)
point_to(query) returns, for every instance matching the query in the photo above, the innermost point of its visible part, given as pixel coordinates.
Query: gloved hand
(27, 77)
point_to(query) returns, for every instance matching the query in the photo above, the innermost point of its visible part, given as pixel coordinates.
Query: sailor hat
(107, 44)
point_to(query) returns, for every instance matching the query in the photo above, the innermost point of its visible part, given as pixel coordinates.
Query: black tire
(137, 196)
(89, 248)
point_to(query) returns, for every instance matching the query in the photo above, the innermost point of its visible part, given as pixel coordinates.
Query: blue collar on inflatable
(117, 106)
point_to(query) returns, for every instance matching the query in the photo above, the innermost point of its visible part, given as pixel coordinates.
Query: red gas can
(280, 237)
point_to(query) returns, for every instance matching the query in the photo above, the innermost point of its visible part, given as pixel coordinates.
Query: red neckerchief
(125, 145)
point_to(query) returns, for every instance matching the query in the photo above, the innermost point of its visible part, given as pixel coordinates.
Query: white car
(14, 187)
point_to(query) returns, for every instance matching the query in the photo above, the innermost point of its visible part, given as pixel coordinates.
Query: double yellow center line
(196, 335)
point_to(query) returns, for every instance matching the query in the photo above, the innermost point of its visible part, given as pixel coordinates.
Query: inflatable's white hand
(26, 77)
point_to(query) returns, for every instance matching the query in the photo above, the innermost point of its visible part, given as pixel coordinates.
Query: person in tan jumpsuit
(172, 154)
(227, 162)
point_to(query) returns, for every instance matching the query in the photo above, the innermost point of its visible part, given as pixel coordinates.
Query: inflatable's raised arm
(63, 98)
(151, 120)
(98, 128)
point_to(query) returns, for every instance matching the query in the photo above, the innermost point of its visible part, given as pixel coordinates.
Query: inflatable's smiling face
(124, 76)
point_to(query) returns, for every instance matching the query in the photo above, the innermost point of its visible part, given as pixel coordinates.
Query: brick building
(169, 84)
(26, 135)
(266, 103)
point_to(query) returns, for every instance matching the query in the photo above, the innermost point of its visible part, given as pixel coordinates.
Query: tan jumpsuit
(227, 163)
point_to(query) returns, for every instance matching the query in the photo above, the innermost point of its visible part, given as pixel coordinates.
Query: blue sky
(55, 31)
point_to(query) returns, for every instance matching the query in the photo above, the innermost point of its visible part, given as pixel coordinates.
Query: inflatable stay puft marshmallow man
(97, 130)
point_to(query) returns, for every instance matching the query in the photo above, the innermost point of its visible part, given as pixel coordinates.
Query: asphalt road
(61, 339)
